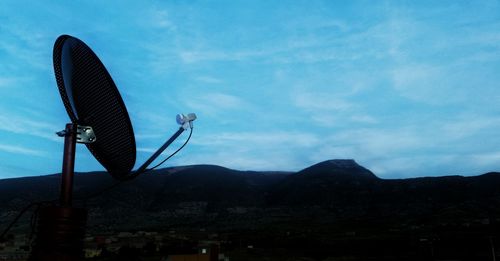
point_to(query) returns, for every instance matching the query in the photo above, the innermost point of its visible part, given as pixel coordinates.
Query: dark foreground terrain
(334, 210)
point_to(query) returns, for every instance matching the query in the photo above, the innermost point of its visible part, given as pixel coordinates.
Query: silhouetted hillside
(217, 186)
(212, 196)
(333, 182)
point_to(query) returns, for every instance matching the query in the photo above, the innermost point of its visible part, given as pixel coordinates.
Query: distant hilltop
(214, 196)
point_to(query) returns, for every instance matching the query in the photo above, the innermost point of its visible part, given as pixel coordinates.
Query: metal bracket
(84, 134)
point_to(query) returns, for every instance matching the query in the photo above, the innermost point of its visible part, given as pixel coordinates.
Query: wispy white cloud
(320, 101)
(242, 159)
(398, 162)
(477, 35)
(23, 125)
(252, 139)
(21, 150)
(422, 54)
(376, 149)
(438, 147)
(428, 84)
(224, 100)
(160, 18)
(250, 150)
(466, 126)
(360, 118)
(194, 56)
(415, 165)
(400, 167)
(480, 56)
(147, 150)
(214, 104)
(384, 142)
(310, 48)
(26, 44)
(330, 119)
(209, 79)
(485, 159)
(306, 50)
(8, 81)
(330, 109)
(325, 119)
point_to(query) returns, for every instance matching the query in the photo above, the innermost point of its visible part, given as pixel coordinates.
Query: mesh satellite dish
(91, 99)
(95, 106)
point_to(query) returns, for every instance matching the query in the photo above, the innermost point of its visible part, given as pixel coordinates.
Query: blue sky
(406, 88)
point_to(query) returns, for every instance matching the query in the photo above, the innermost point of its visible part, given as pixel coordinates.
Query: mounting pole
(61, 229)
(68, 167)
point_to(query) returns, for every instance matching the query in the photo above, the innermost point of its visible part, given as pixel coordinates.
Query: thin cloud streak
(216, 104)
(22, 125)
(21, 150)
(253, 139)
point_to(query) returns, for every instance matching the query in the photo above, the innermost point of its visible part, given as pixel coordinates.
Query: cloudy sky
(406, 88)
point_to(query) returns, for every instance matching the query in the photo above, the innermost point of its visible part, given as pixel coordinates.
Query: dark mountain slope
(218, 186)
(330, 182)
(204, 195)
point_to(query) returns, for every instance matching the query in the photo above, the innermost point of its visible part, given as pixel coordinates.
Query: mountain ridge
(211, 195)
(342, 163)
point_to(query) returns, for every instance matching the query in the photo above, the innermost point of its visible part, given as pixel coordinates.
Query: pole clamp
(84, 134)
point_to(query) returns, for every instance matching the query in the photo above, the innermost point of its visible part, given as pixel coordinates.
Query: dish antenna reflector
(91, 99)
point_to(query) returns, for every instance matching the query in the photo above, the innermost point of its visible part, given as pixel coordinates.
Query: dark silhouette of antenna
(99, 119)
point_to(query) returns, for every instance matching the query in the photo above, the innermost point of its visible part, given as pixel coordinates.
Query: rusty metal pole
(68, 167)
(61, 229)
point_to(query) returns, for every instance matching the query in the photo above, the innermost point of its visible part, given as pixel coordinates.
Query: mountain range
(328, 194)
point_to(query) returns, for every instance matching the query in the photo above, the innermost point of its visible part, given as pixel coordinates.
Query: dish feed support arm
(158, 152)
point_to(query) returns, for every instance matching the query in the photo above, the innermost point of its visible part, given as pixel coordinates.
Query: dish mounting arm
(186, 121)
(148, 162)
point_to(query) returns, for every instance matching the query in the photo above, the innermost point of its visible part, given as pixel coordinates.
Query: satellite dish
(100, 120)
(91, 99)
